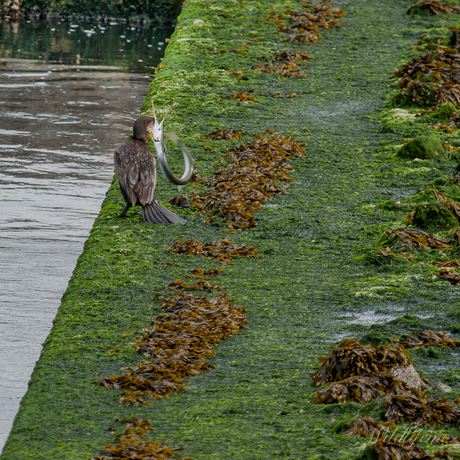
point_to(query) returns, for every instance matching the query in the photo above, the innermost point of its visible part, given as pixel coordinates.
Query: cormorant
(136, 173)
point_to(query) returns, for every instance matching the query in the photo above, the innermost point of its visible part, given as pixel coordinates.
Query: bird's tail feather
(155, 213)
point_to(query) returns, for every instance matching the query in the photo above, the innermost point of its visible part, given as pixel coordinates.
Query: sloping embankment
(305, 294)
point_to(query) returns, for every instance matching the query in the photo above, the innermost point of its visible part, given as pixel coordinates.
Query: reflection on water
(69, 94)
(136, 48)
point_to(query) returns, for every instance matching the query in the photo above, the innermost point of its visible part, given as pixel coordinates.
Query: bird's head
(156, 131)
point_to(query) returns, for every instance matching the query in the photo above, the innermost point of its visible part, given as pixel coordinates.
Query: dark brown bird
(136, 173)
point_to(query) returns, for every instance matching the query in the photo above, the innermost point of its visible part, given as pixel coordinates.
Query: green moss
(442, 114)
(369, 453)
(375, 338)
(422, 147)
(434, 216)
(408, 322)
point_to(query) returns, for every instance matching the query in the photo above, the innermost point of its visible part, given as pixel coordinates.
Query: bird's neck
(141, 138)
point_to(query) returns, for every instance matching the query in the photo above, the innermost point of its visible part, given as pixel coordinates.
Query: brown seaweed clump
(414, 238)
(352, 359)
(444, 439)
(428, 338)
(305, 24)
(387, 252)
(369, 427)
(221, 251)
(235, 192)
(434, 6)
(362, 373)
(449, 275)
(179, 285)
(179, 343)
(243, 97)
(131, 447)
(446, 263)
(240, 97)
(431, 78)
(206, 274)
(398, 449)
(421, 409)
(242, 48)
(223, 135)
(285, 64)
(361, 388)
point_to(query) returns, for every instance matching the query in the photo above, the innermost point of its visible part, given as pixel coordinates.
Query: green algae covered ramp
(315, 284)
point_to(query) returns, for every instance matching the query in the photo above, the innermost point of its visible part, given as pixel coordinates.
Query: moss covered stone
(444, 112)
(374, 338)
(423, 147)
(434, 215)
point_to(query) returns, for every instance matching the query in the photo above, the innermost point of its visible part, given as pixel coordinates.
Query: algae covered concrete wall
(322, 276)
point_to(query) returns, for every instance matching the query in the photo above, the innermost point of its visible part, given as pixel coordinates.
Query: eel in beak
(157, 135)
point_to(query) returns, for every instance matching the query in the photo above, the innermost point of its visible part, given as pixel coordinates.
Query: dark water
(69, 93)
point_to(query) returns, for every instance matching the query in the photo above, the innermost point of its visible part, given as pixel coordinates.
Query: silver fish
(157, 134)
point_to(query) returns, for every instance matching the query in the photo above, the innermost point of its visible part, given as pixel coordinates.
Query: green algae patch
(422, 147)
(436, 215)
(444, 112)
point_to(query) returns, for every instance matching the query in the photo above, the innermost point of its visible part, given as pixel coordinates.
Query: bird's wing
(127, 171)
(136, 172)
(145, 188)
